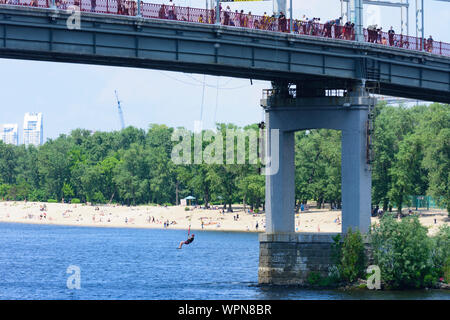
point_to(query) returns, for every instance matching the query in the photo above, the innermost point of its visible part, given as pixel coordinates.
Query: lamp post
(423, 28)
(359, 35)
(291, 25)
(218, 12)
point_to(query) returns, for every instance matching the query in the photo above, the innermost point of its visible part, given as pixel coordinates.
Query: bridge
(130, 41)
(321, 79)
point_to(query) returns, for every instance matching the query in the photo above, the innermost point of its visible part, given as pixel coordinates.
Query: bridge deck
(118, 40)
(197, 15)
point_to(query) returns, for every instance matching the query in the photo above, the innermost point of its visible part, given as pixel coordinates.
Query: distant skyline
(82, 96)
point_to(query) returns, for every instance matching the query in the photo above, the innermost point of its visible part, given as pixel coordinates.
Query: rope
(217, 102)
(203, 99)
(189, 228)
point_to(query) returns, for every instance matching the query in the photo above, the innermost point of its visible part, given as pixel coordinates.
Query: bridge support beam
(287, 257)
(280, 186)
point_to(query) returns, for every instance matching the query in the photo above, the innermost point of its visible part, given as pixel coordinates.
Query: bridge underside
(42, 34)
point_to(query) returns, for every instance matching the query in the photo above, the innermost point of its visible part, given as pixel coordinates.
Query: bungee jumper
(189, 240)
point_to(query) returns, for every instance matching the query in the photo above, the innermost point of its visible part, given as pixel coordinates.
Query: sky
(74, 96)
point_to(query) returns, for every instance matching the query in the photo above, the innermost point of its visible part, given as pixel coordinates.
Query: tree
(132, 173)
(391, 124)
(252, 188)
(54, 165)
(402, 250)
(162, 178)
(407, 175)
(8, 162)
(318, 166)
(435, 129)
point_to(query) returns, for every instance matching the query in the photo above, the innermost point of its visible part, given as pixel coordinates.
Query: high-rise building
(9, 133)
(33, 129)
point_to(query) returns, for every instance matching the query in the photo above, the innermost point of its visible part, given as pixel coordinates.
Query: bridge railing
(407, 42)
(238, 19)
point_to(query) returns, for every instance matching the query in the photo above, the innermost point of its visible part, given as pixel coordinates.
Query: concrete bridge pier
(287, 257)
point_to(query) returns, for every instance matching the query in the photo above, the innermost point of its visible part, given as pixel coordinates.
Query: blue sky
(82, 96)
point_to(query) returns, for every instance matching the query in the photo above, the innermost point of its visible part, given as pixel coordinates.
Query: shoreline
(125, 227)
(154, 217)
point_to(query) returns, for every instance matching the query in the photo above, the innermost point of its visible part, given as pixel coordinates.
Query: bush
(349, 256)
(37, 195)
(314, 278)
(75, 200)
(186, 209)
(429, 280)
(402, 250)
(447, 270)
(98, 197)
(440, 251)
(4, 190)
(52, 201)
(333, 274)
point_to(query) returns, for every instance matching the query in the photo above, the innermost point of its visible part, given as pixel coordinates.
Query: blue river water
(125, 263)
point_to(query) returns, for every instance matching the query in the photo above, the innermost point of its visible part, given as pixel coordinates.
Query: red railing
(239, 19)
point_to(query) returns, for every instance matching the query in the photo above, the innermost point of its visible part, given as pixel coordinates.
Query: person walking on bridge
(338, 28)
(429, 46)
(171, 13)
(226, 16)
(391, 34)
(282, 22)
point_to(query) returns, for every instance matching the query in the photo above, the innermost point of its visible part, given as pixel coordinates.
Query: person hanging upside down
(189, 240)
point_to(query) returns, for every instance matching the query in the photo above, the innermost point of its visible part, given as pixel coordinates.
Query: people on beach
(188, 241)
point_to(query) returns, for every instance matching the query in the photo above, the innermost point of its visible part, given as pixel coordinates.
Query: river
(126, 263)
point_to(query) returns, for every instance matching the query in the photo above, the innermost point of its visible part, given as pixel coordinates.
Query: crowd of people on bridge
(334, 28)
(375, 34)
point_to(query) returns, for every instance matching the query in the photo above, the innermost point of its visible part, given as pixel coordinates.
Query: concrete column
(355, 173)
(280, 185)
(359, 14)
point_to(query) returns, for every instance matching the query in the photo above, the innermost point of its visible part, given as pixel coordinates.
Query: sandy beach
(176, 217)
(313, 220)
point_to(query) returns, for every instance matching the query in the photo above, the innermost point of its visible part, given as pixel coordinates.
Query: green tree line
(133, 166)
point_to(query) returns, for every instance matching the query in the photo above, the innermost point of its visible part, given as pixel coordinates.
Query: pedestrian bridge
(333, 77)
(36, 33)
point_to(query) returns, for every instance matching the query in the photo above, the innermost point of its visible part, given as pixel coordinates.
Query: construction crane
(122, 122)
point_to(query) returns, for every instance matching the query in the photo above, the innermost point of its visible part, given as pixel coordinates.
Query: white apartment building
(33, 129)
(9, 133)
